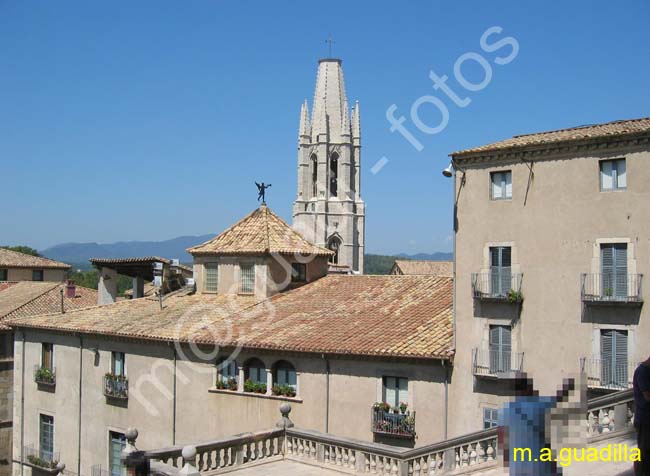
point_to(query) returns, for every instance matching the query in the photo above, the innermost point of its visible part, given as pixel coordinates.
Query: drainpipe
(22, 406)
(453, 298)
(446, 367)
(174, 398)
(327, 393)
(81, 347)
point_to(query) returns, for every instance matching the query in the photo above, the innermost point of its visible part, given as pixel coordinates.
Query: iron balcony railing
(42, 458)
(496, 363)
(116, 386)
(45, 375)
(390, 423)
(607, 374)
(611, 288)
(501, 286)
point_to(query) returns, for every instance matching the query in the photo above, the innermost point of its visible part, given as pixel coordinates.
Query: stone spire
(356, 121)
(329, 109)
(305, 131)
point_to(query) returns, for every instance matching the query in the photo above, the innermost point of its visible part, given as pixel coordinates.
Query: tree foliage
(22, 249)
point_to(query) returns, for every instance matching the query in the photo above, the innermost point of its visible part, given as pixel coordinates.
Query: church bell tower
(329, 210)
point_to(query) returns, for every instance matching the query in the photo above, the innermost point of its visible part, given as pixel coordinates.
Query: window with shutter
(613, 358)
(247, 278)
(500, 349)
(501, 185)
(500, 270)
(117, 444)
(46, 438)
(613, 174)
(613, 269)
(211, 277)
(395, 390)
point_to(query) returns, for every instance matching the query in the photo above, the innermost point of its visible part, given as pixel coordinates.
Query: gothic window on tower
(314, 175)
(333, 244)
(334, 174)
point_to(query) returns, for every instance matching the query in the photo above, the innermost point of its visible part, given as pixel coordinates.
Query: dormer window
(298, 272)
(211, 277)
(247, 278)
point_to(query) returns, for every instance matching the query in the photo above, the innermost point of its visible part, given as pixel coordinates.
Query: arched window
(255, 371)
(314, 175)
(285, 381)
(227, 373)
(334, 174)
(334, 244)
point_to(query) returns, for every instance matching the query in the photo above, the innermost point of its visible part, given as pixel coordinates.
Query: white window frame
(241, 278)
(397, 390)
(503, 186)
(50, 415)
(215, 265)
(109, 447)
(615, 175)
(112, 362)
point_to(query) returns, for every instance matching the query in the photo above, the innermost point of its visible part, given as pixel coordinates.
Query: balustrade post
(134, 462)
(189, 458)
(360, 463)
(403, 468)
(449, 459)
(620, 416)
(320, 452)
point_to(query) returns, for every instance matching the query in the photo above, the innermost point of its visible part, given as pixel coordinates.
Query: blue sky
(151, 119)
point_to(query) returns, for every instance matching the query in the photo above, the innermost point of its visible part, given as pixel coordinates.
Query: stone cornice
(544, 151)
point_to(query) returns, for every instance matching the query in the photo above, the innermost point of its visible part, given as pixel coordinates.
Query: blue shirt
(525, 425)
(641, 384)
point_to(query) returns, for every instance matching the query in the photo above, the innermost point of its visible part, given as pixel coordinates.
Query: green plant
(221, 385)
(609, 292)
(284, 390)
(45, 375)
(232, 384)
(403, 406)
(254, 387)
(383, 406)
(514, 296)
(36, 461)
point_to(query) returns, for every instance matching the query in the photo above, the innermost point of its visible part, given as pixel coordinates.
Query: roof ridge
(584, 126)
(59, 264)
(223, 232)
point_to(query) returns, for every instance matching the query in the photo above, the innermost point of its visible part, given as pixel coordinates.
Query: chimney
(70, 289)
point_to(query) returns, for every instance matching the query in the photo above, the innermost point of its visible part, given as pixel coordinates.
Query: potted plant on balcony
(41, 462)
(403, 407)
(514, 296)
(220, 385)
(232, 384)
(45, 376)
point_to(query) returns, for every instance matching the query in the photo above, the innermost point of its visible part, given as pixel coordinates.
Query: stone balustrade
(461, 455)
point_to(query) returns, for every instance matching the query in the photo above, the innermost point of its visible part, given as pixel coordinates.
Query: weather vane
(261, 191)
(329, 42)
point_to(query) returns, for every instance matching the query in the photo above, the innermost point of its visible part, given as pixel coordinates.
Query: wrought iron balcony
(497, 286)
(116, 386)
(600, 288)
(496, 363)
(47, 460)
(607, 374)
(45, 375)
(394, 424)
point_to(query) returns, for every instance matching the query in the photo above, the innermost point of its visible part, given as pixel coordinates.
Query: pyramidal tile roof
(260, 232)
(608, 129)
(14, 259)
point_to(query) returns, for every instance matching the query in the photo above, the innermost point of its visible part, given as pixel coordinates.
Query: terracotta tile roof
(398, 316)
(31, 298)
(13, 259)
(608, 129)
(434, 268)
(260, 232)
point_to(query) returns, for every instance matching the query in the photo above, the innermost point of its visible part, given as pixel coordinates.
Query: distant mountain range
(78, 254)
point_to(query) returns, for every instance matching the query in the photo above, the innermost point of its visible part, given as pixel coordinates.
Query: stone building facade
(329, 210)
(552, 253)
(365, 357)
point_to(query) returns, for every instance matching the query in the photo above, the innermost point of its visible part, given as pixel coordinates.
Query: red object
(70, 289)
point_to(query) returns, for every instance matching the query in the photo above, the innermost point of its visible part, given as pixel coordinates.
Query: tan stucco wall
(201, 414)
(25, 274)
(554, 238)
(270, 272)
